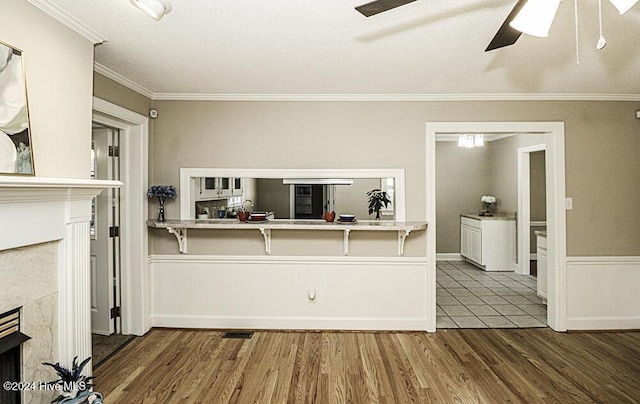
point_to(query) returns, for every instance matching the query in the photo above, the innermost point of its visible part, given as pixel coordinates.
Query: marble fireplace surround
(45, 223)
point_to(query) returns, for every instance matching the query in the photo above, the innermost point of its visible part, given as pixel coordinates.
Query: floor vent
(238, 334)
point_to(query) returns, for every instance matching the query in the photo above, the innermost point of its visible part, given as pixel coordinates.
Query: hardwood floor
(466, 366)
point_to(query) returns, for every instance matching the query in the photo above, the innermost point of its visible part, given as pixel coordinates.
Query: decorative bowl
(242, 216)
(347, 218)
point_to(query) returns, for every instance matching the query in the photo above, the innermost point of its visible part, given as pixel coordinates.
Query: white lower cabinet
(489, 243)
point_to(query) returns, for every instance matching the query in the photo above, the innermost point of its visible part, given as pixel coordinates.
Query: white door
(105, 240)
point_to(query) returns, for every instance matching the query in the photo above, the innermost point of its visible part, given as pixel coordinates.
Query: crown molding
(105, 71)
(395, 97)
(118, 78)
(67, 19)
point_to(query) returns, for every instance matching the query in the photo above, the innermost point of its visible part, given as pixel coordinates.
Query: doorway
(556, 217)
(104, 232)
(105, 259)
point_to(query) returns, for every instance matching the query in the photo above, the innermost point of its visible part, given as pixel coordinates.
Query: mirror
(219, 193)
(16, 156)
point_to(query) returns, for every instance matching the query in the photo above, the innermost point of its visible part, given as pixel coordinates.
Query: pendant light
(536, 16)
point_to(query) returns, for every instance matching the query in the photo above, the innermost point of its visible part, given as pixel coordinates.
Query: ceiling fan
(533, 17)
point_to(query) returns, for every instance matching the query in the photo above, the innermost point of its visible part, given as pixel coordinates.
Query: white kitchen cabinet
(219, 187)
(541, 252)
(237, 187)
(489, 242)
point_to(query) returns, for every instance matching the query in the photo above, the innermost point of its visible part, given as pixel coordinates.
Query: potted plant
(377, 200)
(74, 386)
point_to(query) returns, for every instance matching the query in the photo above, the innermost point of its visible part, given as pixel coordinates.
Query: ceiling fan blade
(380, 6)
(506, 35)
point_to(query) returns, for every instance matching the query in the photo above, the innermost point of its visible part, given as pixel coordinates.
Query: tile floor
(468, 297)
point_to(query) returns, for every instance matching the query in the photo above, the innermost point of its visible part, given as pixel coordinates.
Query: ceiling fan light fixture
(623, 5)
(535, 17)
(155, 8)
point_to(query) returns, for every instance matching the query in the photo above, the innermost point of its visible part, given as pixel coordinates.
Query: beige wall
(462, 177)
(58, 69)
(504, 169)
(538, 184)
(118, 94)
(602, 145)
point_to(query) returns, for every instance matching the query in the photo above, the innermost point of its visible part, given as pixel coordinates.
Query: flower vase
(161, 212)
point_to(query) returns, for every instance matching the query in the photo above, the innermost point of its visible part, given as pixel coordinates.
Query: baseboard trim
(289, 323)
(448, 257)
(609, 323)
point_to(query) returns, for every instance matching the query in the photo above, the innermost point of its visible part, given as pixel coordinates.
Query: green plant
(377, 199)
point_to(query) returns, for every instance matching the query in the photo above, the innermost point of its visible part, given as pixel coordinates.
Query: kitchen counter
(498, 216)
(179, 228)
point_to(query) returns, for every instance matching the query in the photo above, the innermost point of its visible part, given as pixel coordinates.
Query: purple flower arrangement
(162, 192)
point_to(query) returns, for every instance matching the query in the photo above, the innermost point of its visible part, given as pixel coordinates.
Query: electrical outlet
(568, 203)
(311, 296)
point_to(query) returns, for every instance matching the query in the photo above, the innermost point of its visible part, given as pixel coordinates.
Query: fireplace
(11, 340)
(44, 267)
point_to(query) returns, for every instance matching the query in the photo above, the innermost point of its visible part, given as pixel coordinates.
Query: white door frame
(524, 207)
(134, 146)
(556, 215)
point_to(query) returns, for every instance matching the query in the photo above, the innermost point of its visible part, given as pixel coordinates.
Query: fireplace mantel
(21, 189)
(36, 210)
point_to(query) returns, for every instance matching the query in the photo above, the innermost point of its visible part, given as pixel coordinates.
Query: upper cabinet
(219, 187)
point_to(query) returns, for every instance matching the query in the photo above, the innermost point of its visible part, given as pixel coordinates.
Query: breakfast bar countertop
(179, 228)
(288, 224)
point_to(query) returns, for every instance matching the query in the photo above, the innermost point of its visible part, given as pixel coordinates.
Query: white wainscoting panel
(603, 293)
(351, 293)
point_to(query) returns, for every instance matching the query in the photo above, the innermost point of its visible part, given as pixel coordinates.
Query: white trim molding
(67, 19)
(266, 292)
(188, 175)
(394, 97)
(134, 211)
(602, 293)
(524, 206)
(118, 78)
(556, 215)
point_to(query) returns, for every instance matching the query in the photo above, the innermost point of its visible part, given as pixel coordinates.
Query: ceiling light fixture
(623, 5)
(155, 8)
(535, 17)
(470, 141)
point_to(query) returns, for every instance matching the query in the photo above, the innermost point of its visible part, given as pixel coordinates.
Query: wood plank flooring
(462, 366)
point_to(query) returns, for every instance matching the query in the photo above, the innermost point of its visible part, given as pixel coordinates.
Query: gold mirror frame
(16, 154)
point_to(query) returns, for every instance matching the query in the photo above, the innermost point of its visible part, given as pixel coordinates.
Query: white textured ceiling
(325, 47)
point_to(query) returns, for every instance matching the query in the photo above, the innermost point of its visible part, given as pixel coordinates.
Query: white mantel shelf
(179, 228)
(24, 188)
